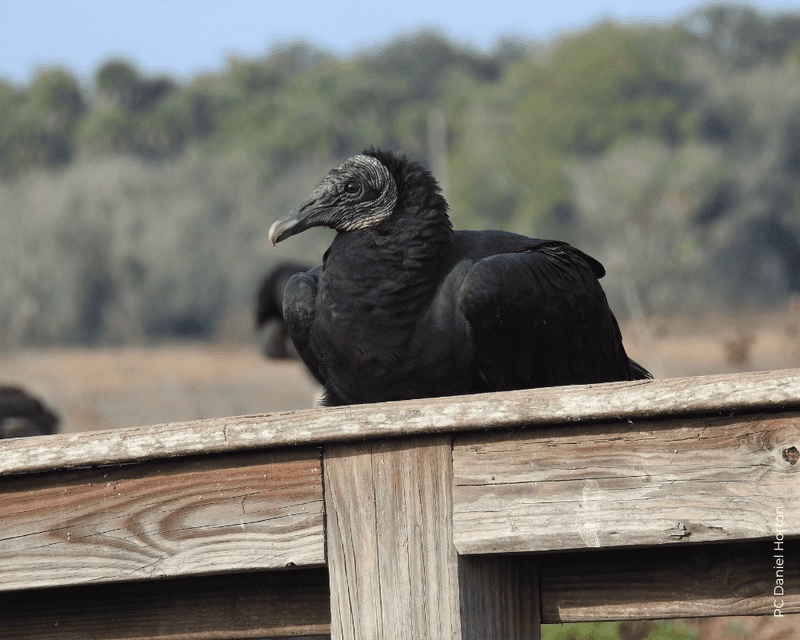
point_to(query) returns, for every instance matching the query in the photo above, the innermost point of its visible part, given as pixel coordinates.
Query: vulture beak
(283, 228)
(312, 213)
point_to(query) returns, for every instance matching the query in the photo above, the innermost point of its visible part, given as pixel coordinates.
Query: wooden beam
(619, 401)
(690, 581)
(161, 519)
(645, 483)
(393, 568)
(500, 597)
(251, 605)
(674, 582)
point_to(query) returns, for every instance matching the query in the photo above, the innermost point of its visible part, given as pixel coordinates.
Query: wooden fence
(468, 517)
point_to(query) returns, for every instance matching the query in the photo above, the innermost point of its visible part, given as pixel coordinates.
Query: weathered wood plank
(174, 518)
(649, 483)
(251, 605)
(500, 597)
(688, 581)
(675, 582)
(763, 391)
(392, 564)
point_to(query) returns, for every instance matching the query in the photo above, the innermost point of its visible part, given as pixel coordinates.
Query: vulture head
(358, 194)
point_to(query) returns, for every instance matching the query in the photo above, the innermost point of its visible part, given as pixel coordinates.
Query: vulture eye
(352, 187)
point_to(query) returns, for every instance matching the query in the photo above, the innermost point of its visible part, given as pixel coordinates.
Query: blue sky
(182, 38)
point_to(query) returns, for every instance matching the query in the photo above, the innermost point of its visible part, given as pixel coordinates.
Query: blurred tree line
(672, 153)
(296, 102)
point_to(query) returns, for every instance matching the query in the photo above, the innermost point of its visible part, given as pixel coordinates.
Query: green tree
(514, 138)
(56, 96)
(104, 130)
(115, 84)
(10, 99)
(37, 126)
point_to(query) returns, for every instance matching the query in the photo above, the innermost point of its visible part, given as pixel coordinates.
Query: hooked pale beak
(282, 228)
(314, 212)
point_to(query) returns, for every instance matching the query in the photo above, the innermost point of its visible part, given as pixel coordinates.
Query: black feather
(269, 309)
(404, 307)
(22, 414)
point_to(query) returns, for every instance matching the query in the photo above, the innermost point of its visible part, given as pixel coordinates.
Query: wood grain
(392, 564)
(542, 470)
(251, 605)
(674, 582)
(619, 401)
(500, 597)
(688, 581)
(191, 517)
(648, 483)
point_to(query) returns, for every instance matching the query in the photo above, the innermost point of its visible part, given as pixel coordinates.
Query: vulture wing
(538, 317)
(299, 300)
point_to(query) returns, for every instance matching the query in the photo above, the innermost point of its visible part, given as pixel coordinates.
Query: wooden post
(394, 571)
(393, 567)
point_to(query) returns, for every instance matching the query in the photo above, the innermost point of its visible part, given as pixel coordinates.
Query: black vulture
(269, 309)
(405, 307)
(21, 414)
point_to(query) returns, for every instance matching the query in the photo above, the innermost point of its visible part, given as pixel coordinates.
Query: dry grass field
(716, 343)
(118, 387)
(123, 387)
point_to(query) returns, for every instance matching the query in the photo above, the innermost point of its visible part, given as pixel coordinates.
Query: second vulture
(405, 307)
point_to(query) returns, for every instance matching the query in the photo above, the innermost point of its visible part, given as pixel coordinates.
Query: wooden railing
(466, 517)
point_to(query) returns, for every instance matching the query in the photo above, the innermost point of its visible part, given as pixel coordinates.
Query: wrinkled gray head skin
(358, 194)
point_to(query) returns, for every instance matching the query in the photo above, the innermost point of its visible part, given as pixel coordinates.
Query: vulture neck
(393, 268)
